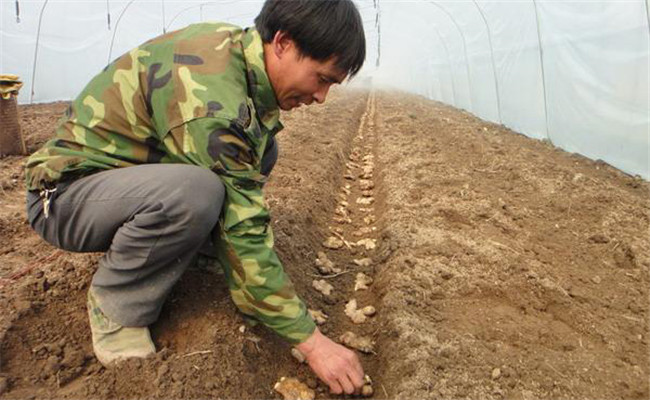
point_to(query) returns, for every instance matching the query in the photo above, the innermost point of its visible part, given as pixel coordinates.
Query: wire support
(494, 68)
(38, 37)
(541, 61)
(464, 41)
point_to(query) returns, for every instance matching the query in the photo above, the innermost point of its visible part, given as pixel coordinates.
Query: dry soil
(502, 268)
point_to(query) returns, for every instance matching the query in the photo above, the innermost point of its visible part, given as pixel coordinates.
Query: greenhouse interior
(483, 177)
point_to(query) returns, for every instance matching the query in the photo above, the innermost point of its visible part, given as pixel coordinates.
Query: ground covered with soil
(497, 265)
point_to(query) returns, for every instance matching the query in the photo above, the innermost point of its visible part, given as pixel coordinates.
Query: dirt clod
(446, 274)
(599, 238)
(3, 384)
(311, 382)
(73, 358)
(52, 365)
(162, 370)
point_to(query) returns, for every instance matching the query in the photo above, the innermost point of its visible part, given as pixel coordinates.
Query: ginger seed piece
(342, 211)
(318, 316)
(368, 311)
(369, 244)
(297, 354)
(362, 281)
(325, 265)
(323, 287)
(361, 343)
(363, 262)
(357, 316)
(366, 184)
(333, 242)
(367, 391)
(293, 389)
(362, 231)
(342, 220)
(365, 200)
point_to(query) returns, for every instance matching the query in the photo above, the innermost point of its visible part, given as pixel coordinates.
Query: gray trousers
(150, 220)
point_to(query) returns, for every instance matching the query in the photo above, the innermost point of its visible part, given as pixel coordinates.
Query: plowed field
(501, 268)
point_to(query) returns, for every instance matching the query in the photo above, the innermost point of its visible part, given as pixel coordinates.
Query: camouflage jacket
(198, 96)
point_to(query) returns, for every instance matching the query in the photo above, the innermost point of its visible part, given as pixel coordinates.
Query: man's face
(300, 80)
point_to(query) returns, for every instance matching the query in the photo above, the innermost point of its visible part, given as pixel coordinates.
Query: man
(177, 137)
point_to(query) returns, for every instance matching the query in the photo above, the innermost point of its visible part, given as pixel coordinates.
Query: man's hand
(334, 364)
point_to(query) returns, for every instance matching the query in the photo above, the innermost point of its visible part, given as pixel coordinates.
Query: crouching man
(171, 144)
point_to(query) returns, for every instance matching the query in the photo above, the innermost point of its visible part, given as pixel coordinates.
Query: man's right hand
(334, 364)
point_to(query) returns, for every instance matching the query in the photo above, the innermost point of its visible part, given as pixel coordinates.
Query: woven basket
(11, 138)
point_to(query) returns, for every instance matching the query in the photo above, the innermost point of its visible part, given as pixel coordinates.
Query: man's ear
(281, 43)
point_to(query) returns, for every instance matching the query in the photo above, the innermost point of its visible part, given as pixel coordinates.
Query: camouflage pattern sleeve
(258, 284)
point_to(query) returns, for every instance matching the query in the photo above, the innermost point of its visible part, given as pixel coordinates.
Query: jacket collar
(259, 85)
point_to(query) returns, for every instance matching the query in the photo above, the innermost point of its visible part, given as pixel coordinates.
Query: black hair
(321, 29)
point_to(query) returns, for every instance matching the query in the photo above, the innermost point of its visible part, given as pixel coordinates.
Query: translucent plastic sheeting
(586, 91)
(76, 41)
(596, 60)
